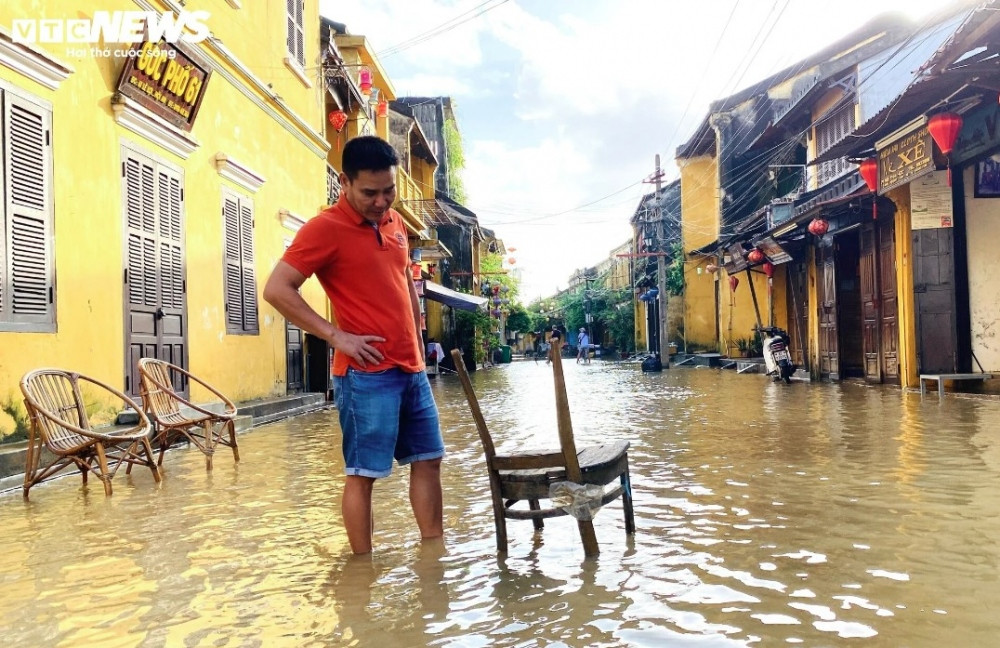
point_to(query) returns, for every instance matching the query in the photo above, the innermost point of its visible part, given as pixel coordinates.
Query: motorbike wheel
(785, 370)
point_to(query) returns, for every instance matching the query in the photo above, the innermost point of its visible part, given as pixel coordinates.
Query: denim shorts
(384, 415)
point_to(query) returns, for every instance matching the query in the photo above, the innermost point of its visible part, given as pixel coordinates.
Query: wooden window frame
(239, 273)
(27, 273)
(833, 128)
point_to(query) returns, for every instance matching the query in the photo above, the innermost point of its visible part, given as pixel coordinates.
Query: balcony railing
(332, 185)
(409, 199)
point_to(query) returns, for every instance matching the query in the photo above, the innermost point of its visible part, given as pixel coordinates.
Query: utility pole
(661, 265)
(588, 317)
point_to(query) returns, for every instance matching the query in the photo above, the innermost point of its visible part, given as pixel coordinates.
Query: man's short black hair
(368, 153)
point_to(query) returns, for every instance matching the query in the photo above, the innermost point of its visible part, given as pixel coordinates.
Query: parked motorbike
(777, 359)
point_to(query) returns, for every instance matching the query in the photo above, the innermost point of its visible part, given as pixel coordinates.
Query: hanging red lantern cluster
(755, 256)
(819, 227)
(944, 128)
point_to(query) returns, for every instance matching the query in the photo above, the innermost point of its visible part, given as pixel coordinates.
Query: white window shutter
(27, 299)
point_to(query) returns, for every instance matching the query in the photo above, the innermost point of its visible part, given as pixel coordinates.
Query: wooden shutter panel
(171, 270)
(249, 288)
(241, 277)
(27, 281)
(140, 214)
(295, 39)
(234, 286)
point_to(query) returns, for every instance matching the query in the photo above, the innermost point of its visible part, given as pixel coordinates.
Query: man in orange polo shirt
(358, 251)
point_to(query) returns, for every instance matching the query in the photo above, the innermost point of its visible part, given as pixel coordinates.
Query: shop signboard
(168, 79)
(773, 251)
(904, 159)
(980, 134)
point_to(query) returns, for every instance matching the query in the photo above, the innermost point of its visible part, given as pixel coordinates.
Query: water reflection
(806, 514)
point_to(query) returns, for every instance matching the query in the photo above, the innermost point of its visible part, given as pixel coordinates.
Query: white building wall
(983, 222)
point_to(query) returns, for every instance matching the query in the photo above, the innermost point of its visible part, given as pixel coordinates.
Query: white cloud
(564, 103)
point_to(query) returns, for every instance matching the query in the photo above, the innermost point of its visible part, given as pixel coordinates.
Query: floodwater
(766, 514)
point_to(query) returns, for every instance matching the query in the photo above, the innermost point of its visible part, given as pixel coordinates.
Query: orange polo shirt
(366, 276)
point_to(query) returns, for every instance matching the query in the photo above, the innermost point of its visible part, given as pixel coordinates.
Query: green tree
(519, 320)
(456, 161)
(675, 271)
(474, 328)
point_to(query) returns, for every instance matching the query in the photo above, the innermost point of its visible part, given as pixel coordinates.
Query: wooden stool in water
(527, 475)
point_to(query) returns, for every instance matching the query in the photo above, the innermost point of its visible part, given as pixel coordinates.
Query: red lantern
(869, 171)
(338, 119)
(733, 282)
(944, 128)
(383, 108)
(511, 260)
(365, 81)
(755, 256)
(819, 227)
(769, 269)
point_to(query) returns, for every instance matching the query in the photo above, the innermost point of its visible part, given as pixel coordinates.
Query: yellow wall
(699, 227)
(88, 209)
(737, 316)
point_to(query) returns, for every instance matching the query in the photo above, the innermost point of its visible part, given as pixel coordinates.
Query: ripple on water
(807, 514)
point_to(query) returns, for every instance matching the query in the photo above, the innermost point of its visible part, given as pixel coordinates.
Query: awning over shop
(452, 298)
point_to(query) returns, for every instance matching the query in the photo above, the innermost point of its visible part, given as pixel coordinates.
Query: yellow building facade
(161, 193)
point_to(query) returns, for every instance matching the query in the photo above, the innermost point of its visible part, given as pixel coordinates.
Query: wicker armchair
(60, 424)
(175, 417)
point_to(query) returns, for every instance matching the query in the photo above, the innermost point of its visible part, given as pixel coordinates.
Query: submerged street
(766, 514)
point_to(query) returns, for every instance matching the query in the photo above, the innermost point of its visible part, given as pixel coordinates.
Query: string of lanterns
(493, 293)
(338, 118)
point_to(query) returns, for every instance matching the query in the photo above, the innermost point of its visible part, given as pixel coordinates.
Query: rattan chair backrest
(53, 395)
(158, 401)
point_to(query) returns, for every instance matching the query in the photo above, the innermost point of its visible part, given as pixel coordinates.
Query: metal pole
(661, 268)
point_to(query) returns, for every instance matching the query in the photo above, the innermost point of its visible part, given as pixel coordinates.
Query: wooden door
(797, 275)
(829, 364)
(294, 365)
(933, 287)
(155, 304)
(888, 300)
(870, 317)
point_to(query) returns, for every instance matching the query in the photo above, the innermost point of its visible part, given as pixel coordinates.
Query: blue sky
(563, 104)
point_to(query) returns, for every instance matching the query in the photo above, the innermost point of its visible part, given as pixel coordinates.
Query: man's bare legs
(356, 507)
(425, 497)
